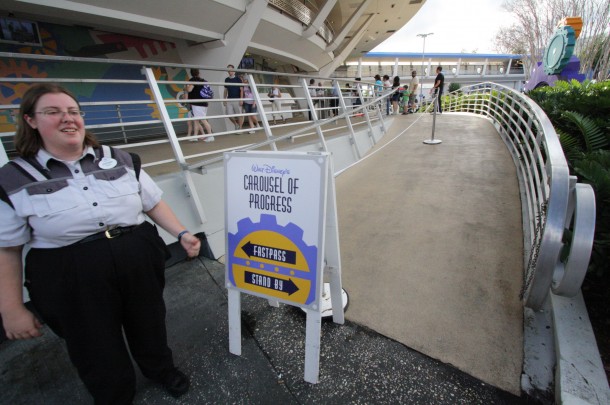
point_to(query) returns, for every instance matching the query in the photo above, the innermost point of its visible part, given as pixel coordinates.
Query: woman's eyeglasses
(59, 113)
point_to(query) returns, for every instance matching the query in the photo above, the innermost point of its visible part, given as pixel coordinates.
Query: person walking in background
(321, 94)
(437, 90)
(413, 86)
(347, 94)
(200, 108)
(334, 101)
(395, 95)
(193, 126)
(276, 104)
(249, 106)
(356, 92)
(234, 94)
(378, 86)
(387, 87)
(95, 267)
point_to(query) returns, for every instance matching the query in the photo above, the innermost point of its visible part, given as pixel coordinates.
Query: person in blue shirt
(235, 94)
(378, 86)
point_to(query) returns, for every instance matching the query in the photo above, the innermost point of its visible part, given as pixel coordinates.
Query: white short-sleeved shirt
(78, 199)
(414, 82)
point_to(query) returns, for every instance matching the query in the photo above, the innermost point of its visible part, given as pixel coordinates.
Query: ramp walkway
(431, 251)
(431, 245)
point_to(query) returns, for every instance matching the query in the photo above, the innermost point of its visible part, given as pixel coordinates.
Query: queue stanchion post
(433, 141)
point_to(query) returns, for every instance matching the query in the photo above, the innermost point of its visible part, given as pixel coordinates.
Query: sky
(458, 25)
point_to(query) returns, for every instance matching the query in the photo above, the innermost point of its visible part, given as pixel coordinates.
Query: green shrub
(579, 113)
(454, 87)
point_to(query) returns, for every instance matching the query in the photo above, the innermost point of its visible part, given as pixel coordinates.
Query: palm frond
(594, 168)
(572, 147)
(591, 133)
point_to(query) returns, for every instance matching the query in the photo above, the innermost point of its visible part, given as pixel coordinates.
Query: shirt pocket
(51, 197)
(117, 182)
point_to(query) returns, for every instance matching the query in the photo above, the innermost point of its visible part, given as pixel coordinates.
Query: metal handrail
(121, 121)
(157, 115)
(546, 190)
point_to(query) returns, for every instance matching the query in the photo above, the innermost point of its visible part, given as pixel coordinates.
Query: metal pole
(421, 86)
(118, 112)
(433, 141)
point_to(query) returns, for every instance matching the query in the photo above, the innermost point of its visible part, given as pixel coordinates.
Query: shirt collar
(43, 157)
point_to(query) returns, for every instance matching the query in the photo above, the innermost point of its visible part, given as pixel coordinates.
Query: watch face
(559, 50)
(555, 50)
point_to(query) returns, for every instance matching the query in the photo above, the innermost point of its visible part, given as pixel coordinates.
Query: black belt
(108, 233)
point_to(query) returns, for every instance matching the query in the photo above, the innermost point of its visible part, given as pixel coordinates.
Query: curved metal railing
(551, 200)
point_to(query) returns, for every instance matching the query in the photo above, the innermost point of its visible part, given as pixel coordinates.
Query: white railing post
(261, 110)
(343, 108)
(314, 114)
(173, 140)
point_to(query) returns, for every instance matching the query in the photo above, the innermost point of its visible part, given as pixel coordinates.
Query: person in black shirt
(439, 82)
(200, 109)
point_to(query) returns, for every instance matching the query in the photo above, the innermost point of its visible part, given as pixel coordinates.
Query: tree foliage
(536, 23)
(511, 40)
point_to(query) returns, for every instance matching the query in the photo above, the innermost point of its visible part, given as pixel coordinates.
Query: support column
(510, 61)
(346, 49)
(318, 21)
(347, 27)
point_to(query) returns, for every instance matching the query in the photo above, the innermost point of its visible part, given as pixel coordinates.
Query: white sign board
(275, 215)
(281, 224)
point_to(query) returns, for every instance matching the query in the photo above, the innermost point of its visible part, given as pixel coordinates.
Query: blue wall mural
(74, 41)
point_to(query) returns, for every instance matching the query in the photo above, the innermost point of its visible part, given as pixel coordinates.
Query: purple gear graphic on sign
(239, 242)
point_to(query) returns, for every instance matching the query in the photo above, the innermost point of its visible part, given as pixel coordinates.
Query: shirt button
(49, 190)
(76, 171)
(95, 204)
(101, 224)
(85, 188)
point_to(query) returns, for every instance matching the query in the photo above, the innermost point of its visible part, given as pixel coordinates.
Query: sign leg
(234, 321)
(336, 296)
(312, 346)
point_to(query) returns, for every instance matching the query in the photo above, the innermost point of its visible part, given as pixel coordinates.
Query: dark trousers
(90, 293)
(439, 104)
(334, 103)
(315, 103)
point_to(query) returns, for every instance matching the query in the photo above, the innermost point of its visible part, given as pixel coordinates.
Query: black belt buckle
(112, 233)
(109, 233)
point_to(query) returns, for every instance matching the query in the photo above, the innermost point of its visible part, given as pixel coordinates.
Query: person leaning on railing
(95, 268)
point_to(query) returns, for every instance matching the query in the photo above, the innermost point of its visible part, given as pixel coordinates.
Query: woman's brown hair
(27, 139)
